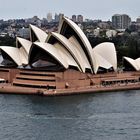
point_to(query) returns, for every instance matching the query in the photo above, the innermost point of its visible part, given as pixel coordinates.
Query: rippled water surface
(102, 116)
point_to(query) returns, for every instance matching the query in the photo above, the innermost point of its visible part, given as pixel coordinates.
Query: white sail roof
(16, 54)
(50, 49)
(100, 62)
(40, 34)
(81, 35)
(65, 54)
(79, 57)
(81, 54)
(108, 52)
(134, 63)
(26, 44)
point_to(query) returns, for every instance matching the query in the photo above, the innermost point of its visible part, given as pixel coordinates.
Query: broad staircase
(35, 79)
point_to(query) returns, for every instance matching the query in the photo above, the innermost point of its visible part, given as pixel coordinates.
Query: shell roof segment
(108, 52)
(78, 56)
(16, 55)
(134, 63)
(26, 44)
(51, 50)
(80, 36)
(39, 34)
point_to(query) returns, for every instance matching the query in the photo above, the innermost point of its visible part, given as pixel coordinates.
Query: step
(39, 73)
(35, 77)
(4, 70)
(33, 83)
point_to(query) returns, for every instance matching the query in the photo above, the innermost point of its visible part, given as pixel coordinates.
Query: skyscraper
(138, 20)
(80, 18)
(74, 18)
(56, 17)
(121, 21)
(49, 17)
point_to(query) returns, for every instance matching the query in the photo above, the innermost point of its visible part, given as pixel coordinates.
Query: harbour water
(102, 116)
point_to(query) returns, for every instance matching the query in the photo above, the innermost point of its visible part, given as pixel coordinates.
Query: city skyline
(89, 9)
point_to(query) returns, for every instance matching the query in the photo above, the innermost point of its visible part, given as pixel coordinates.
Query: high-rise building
(56, 18)
(49, 17)
(126, 21)
(74, 18)
(138, 20)
(121, 21)
(80, 18)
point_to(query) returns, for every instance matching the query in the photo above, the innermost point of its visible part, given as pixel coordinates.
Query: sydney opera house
(63, 62)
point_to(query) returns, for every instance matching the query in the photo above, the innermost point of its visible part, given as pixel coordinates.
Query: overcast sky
(94, 9)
